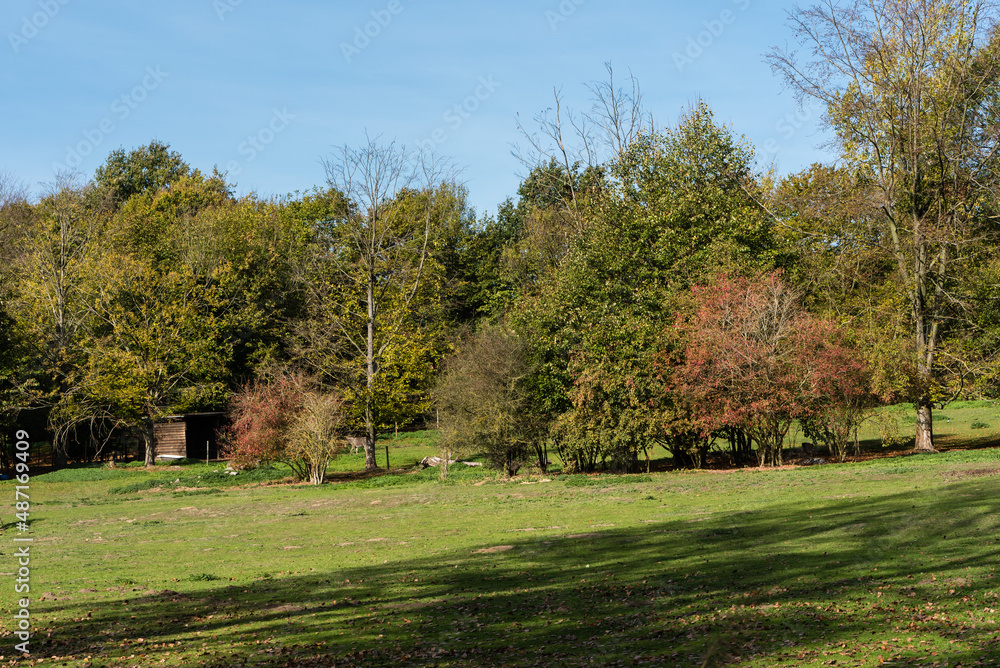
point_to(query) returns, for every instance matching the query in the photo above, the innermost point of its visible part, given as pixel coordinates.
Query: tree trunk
(926, 340)
(150, 443)
(370, 463)
(443, 470)
(317, 471)
(59, 459)
(924, 441)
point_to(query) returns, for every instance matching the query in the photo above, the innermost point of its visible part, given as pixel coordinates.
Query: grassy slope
(891, 560)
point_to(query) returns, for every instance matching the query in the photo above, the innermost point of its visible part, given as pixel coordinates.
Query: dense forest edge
(647, 287)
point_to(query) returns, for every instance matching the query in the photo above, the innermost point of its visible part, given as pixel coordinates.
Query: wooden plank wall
(170, 439)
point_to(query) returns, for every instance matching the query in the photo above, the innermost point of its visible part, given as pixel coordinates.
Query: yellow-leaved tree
(910, 90)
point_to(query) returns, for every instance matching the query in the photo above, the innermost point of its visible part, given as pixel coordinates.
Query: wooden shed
(192, 435)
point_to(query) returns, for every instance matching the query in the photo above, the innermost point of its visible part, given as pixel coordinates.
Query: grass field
(883, 562)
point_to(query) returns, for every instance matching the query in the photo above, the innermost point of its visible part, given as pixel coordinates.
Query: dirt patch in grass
(164, 595)
(971, 473)
(493, 550)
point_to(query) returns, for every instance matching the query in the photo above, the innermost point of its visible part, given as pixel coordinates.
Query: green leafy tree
(153, 349)
(615, 411)
(680, 206)
(827, 219)
(248, 250)
(484, 403)
(15, 211)
(146, 169)
(252, 251)
(60, 238)
(159, 223)
(910, 92)
(374, 277)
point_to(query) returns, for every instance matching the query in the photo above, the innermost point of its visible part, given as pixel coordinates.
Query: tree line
(647, 286)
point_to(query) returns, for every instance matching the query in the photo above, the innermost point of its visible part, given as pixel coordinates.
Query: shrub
(756, 360)
(484, 404)
(287, 419)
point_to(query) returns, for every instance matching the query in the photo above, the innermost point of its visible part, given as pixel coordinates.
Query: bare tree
(910, 89)
(13, 197)
(568, 139)
(316, 435)
(378, 252)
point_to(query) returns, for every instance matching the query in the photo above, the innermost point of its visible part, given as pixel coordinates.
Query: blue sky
(265, 90)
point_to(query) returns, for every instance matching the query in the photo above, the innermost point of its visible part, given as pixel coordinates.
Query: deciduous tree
(484, 402)
(146, 169)
(679, 206)
(372, 271)
(755, 360)
(153, 348)
(286, 417)
(911, 95)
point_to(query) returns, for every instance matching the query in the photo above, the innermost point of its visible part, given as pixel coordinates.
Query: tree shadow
(834, 581)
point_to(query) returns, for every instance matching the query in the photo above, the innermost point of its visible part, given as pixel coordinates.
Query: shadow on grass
(908, 579)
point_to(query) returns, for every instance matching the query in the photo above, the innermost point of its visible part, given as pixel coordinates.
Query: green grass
(958, 423)
(405, 450)
(882, 562)
(605, 480)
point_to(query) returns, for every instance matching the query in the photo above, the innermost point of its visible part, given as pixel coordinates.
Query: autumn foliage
(286, 419)
(756, 361)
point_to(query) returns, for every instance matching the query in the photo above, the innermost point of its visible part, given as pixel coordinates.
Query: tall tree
(827, 218)
(911, 95)
(61, 238)
(15, 214)
(153, 348)
(374, 263)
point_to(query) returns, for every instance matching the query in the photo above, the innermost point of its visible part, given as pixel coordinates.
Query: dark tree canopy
(148, 168)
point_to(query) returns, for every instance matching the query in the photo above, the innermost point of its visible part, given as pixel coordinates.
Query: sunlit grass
(888, 560)
(881, 562)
